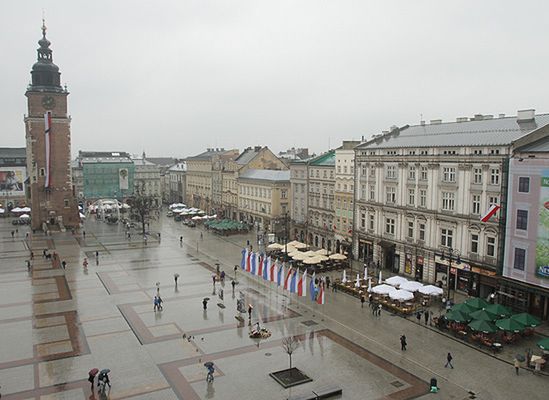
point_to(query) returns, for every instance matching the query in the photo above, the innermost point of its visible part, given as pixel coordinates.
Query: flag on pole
(312, 287)
(365, 272)
(243, 261)
(280, 274)
(266, 267)
(344, 279)
(357, 283)
(491, 211)
(302, 284)
(47, 139)
(254, 263)
(287, 279)
(259, 270)
(320, 299)
(293, 281)
(380, 278)
(273, 272)
(248, 261)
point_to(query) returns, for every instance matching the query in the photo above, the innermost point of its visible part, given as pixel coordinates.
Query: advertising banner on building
(11, 181)
(542, 245)
(123, 178)
(408, 264)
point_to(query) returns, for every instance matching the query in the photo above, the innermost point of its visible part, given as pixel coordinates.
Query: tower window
(42, 172)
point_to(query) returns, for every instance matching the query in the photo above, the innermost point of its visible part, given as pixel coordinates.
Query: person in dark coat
(403, 343)
(426, 315)
(362, 301)
(449, 359)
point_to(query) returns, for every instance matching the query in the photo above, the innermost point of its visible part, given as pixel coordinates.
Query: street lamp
(451, 254)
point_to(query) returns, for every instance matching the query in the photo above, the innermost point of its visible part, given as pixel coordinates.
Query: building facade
(525, 283)
(263, 198)
(344, 196)
(107, 175)
(48, 137)
(177, 177)
(13, 173)
(299, 185)
(320, 196)
(422, 191)
(147, 179)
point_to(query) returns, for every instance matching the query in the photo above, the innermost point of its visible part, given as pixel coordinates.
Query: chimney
(502, 115)
(436, 121)
(462, 119)
(526, 115)
(478, 117)
(257, 148)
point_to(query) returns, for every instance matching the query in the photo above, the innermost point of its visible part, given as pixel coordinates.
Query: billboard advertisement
(542, 245)
(12, 181)
(123, 178)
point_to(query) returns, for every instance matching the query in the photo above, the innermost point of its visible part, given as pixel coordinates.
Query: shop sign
(482, 271)
(408, 264)
(462, 265)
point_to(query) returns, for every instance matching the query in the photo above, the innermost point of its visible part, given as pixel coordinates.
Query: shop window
(520, 259)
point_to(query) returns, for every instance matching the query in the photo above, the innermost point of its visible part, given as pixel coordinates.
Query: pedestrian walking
(175, 278)
(379, 310)
(44, 252)
(250, 308)
(32, 255)
(28, 265)
(63, 264)
(155, 303)
(180, 239)
(328, 282)
(159, 236)
(418, 317)
(201, 236)
(370, 298)
(362, 301)
(426, 316)
(26, 235)
(96, 254)
(85, 263)
(205, 304)
(403, 343)
(449, 359)
(12, 234)
(160, 308)
(517, 366)
(84, 234)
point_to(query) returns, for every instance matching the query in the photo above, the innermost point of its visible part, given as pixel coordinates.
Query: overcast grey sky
(174, 77)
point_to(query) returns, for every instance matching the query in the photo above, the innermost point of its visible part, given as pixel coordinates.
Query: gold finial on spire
(44, 23)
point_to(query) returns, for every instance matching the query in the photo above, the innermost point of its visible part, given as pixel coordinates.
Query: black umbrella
(206, 299)
(520, 358)
(208, 364)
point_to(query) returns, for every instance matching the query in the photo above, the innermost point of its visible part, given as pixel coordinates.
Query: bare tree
(290, 344)
(142, 205)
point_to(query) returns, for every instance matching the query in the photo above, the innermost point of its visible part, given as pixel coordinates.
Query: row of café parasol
(396, 293)
(22, 213)
(318, 261)
(181, 212)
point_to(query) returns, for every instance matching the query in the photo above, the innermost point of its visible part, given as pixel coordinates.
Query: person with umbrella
(103, 379)
(205, 303)
(91, 376)
(210, 367)
(175, 278)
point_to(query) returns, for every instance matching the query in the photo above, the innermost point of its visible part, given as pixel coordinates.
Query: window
(391, 172)
(423, 198)
(339, 169)
(421, 231)
(448, 174)
(520, 259)
(372, 192)
(390, 193)
(390, 226)
(364, 170)
(363, 192)
(477, 176)
(324, 174)
(448, 201)
(493, 200)
(66, 202)
(363, 220)
(372, 172)
(491, 246)
(42, 172)
(494, 176)
(371, 221)
(446, 237)
(410, 229)
(412, 173)
(344, 169)
(352, 170)
(411, 197)
(522, 219)
(524, 184)
(284, 194)
(423, 175)
(476, 204)
(474, 243)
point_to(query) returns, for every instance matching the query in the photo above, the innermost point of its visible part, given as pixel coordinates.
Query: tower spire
(44, 72)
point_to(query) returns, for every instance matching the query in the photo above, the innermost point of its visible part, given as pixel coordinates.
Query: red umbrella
(93, 371)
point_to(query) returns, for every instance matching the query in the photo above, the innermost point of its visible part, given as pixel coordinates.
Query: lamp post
(451, 254)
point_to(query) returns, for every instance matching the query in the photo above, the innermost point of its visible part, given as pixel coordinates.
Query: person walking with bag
(403, 343)
(449, 359)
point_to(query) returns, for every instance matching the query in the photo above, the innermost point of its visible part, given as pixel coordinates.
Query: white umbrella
(411, 286)
(16, 210)
(275, 246)
(311, 260)
(26, 209)
(431, 290)
(310, 253)
(383, 289)
(293, 243)
(365, 272)
(338, 256)
(24, 216)
(369, 284)
(300, 245)
(396, 280)
(82, 216)
(322, 252)
(196, 218)
(321, 257)
(344, 280)
(357, 283)
(401, 295)
(300, 256)
(2, 211)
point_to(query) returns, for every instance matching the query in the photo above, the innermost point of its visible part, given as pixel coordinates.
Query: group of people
(158, 303)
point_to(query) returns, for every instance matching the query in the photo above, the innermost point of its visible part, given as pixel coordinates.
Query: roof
(179, 167)
(248, 155)
(13, 152)
(324, 160)
(481, 132)
(162, 161)
(90, 157)
(539, 146)
(207, 155)
(266, 175)
(142, 162)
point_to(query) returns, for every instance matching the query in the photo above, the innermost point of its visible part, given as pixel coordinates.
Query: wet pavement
(56, 325)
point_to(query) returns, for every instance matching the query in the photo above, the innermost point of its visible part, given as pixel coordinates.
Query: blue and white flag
(243, 261)
(266, 267)
(312, 288)
(254, 261)
(280, 274)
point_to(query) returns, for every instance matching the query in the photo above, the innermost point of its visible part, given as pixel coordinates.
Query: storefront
(522, 297)
(460, 279)
(484, 282)
(419, 268)
(408, 268)
(365, 251)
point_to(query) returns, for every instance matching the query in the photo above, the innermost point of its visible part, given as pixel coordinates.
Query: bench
(321, 393)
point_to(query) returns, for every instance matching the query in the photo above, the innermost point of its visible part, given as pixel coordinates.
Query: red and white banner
(491, 211)
(47, 139)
